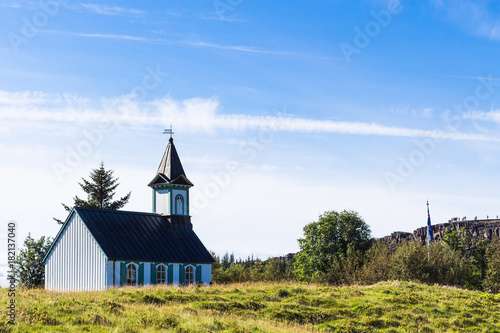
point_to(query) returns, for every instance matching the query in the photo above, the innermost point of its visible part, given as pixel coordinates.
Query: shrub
(493, 265)
(377, 264)
(409, 262)
(328, 240)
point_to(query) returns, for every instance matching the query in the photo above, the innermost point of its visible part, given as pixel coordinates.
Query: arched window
(179, 205)
(131, 275)
(189, 275)
(161, 274)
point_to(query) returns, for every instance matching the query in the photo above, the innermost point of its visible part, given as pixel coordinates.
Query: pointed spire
(170, 170)
(170, 164)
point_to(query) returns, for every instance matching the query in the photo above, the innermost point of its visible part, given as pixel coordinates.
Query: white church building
(98, 249)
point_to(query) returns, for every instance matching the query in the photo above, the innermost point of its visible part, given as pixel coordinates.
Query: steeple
(170, 165)
(170, 185)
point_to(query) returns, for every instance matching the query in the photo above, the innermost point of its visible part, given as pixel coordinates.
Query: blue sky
(281, 110)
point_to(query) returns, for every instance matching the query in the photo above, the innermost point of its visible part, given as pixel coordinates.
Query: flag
(430, 236)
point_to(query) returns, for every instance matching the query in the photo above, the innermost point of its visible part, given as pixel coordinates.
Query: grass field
(258, 307)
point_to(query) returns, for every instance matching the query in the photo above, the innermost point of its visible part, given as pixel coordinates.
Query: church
(97, 249)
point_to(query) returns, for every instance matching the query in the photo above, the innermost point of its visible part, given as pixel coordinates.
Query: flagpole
(428, 255)
(430, 238)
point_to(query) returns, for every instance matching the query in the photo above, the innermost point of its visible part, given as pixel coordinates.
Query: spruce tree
(100, 191)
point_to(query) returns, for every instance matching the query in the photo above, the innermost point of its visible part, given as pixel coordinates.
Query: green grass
(258, 307)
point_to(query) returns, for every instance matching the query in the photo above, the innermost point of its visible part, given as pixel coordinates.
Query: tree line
(336, 249)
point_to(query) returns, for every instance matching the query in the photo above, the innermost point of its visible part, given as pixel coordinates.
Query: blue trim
(194, 272)
(185, 203)
(170, 188)
(137, 267)
(167, 262)
(170, 277)
(197, 274)
(168, 193)
(170, 211)
(154, 200)
(166, 272)
(152, 276)
(181, 196)
(140, 274)
(123, 274)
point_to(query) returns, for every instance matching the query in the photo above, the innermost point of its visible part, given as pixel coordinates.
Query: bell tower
(170, 185)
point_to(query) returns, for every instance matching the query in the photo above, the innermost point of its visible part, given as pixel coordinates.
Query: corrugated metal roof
(140, 236)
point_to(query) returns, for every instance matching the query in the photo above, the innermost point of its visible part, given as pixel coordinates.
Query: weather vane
(169, 131)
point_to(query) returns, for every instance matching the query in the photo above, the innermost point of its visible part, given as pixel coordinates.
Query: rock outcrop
(477, 228)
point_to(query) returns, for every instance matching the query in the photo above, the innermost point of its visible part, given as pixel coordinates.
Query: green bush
(377, 264)
(445, 266)
(409, 263)
(458, 260)
(493, 265)
(328, 241)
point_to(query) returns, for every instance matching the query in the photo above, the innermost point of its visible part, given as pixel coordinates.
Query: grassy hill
(258, 307)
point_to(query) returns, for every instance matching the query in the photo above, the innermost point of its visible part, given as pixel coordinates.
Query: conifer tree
(100, 191)
(29, 267)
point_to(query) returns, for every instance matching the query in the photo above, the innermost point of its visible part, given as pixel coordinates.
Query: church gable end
(75, 262)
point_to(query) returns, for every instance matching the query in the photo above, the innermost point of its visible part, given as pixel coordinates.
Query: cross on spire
(169, 131)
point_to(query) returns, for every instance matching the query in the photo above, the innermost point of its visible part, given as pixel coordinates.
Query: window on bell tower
(179, 205)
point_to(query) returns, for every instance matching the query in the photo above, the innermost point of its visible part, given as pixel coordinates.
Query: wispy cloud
(473, 16)
(110, 10)
(115, 36)
(247, 49)
(191, 114)
(415, 113)
(10, 4)
(217, 17)
(190, 43)
(342, 127)
(37, 98)
(468, 77)
(493, 115)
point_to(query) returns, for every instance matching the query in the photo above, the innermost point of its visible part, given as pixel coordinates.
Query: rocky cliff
(477, 228)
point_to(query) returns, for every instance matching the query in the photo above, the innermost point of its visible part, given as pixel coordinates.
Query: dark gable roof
(139, 236)
(161, 180)
(181, 180)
